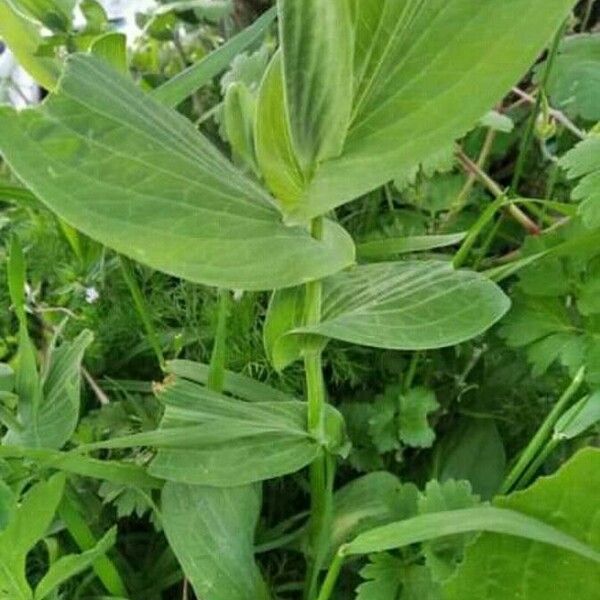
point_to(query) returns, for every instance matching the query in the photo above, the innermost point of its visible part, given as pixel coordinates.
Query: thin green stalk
(535, 466)
(142, 309)
(104, 568)
(529, 133)
(332, 577)
(539, 439)
(587, 16)
(218, 359)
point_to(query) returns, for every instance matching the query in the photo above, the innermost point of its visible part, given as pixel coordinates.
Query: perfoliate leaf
(206, 438)
(407, 305)
(425, 72)
(317, 47)
(211, 532)
(497, 567)
(583, 162)
(151, 187)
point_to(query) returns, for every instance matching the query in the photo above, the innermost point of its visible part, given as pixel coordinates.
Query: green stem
(332, 577)
(142, 308)
(537, 463)
(104, 568)
(321, 471)
(218, 359)
(539, 439)
(529, 133)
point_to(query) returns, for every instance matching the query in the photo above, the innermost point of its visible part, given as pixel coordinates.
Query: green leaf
(211, 531)
(208, 439)
(112, 47)
(389, 578)
(370, 501)
(583, 162)
(427, 527)
(473, 451)
(408, 305)
(414, 429)
(317, 41)
(387, 248)
(177, 89)
(28, 525)
(96, 18)
(384, 575)
(239, 113)
(70, 566)
(151, 187)
(443, 554)
(107, 470)
(274, 151)
(579, 418)
(285, 313)
(236, 384)
(497, 121)
(56, 15)
(500, 567)
(574, 83)
(425, 72)
(50, 421)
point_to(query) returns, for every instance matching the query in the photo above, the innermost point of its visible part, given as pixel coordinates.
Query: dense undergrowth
(431, 427)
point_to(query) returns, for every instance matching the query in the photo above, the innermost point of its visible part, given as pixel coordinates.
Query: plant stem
(529, 132)
(539, 439)
(515, 212)
(461, 199)
(537, 463)
(142, 308)
(84, 538)
(321, 471)
(332, 577)
(216, 371)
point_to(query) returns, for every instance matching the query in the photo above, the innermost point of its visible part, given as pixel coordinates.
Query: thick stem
(218, 359)
(321, 471)
(539, 439)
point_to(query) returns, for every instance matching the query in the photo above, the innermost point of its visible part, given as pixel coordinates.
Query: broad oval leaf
(497, 567)
(317, 41)
(139, 178)
(412, 305)
(211, 532)
(425, 72)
